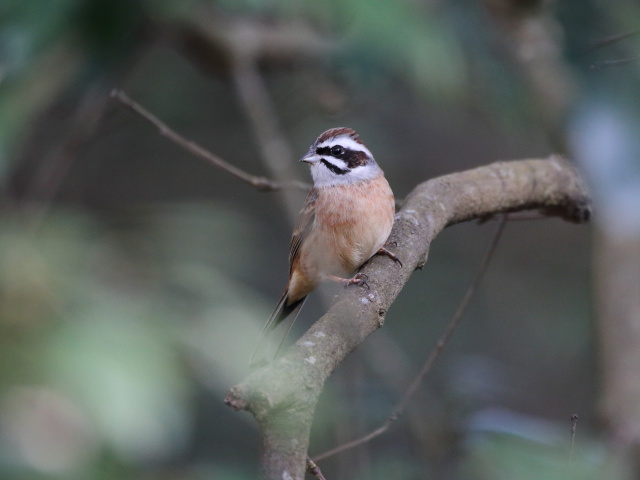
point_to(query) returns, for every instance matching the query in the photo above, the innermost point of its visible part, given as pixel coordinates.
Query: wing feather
(282, 310)
(303, 226)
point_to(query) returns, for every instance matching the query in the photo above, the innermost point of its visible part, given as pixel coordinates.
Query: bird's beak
(310, 157)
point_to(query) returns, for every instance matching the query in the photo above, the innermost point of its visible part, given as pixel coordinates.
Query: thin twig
(314, 470)
(258, 106)
(574, 425)
(611, 39)
(613, 63)
(261, 183)
(435, 353)
(254, 96)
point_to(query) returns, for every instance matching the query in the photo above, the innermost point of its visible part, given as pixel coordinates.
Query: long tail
(281, 312)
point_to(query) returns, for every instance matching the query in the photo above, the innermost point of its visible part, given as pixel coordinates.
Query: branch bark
(282, 396)
(398, 409)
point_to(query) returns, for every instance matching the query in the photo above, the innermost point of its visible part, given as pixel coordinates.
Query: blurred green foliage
(98, 329)
(499, 456)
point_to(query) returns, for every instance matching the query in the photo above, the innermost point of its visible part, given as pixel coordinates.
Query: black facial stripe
(333, 168)
(352, 158)
(355, 158)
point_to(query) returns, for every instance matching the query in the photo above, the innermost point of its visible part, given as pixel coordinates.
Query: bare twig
(261, 183)
(239, 48)
(314, 470)
(604, 42)
(619, 62)
(261, 113)
(574, 425)
(398, 410)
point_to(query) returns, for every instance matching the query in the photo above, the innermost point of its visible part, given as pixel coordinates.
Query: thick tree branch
(282, 396)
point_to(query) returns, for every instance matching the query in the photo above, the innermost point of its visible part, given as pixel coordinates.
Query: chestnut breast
(352, 222)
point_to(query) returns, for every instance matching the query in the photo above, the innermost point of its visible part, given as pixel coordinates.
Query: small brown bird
(346, 219)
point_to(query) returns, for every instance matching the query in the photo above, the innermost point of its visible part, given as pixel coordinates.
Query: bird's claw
(358, 279)
(391, 255)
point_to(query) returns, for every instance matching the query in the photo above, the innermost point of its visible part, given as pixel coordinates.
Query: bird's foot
(389, 254)
(357, 279)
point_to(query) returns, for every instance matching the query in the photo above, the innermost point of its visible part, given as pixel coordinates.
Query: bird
(346, 219)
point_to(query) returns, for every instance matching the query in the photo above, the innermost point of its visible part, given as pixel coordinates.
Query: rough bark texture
(282, 396)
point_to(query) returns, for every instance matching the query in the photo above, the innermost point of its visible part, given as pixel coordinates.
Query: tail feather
(280, 313)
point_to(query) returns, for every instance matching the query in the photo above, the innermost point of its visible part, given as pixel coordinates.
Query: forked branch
(282, 396)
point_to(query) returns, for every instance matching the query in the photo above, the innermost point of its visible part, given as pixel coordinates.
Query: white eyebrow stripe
(347, 142)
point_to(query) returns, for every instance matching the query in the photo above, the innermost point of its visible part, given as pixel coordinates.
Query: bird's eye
(337, 150)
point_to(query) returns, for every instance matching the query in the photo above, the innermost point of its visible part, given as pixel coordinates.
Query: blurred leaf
(103, 317)
(409, 39)
(125, 371)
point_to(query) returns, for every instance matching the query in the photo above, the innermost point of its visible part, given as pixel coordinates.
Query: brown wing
(303, 225)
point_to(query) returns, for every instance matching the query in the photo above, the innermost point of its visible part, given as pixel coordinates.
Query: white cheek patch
(323, 177)
(366, 172)
(341, 164)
